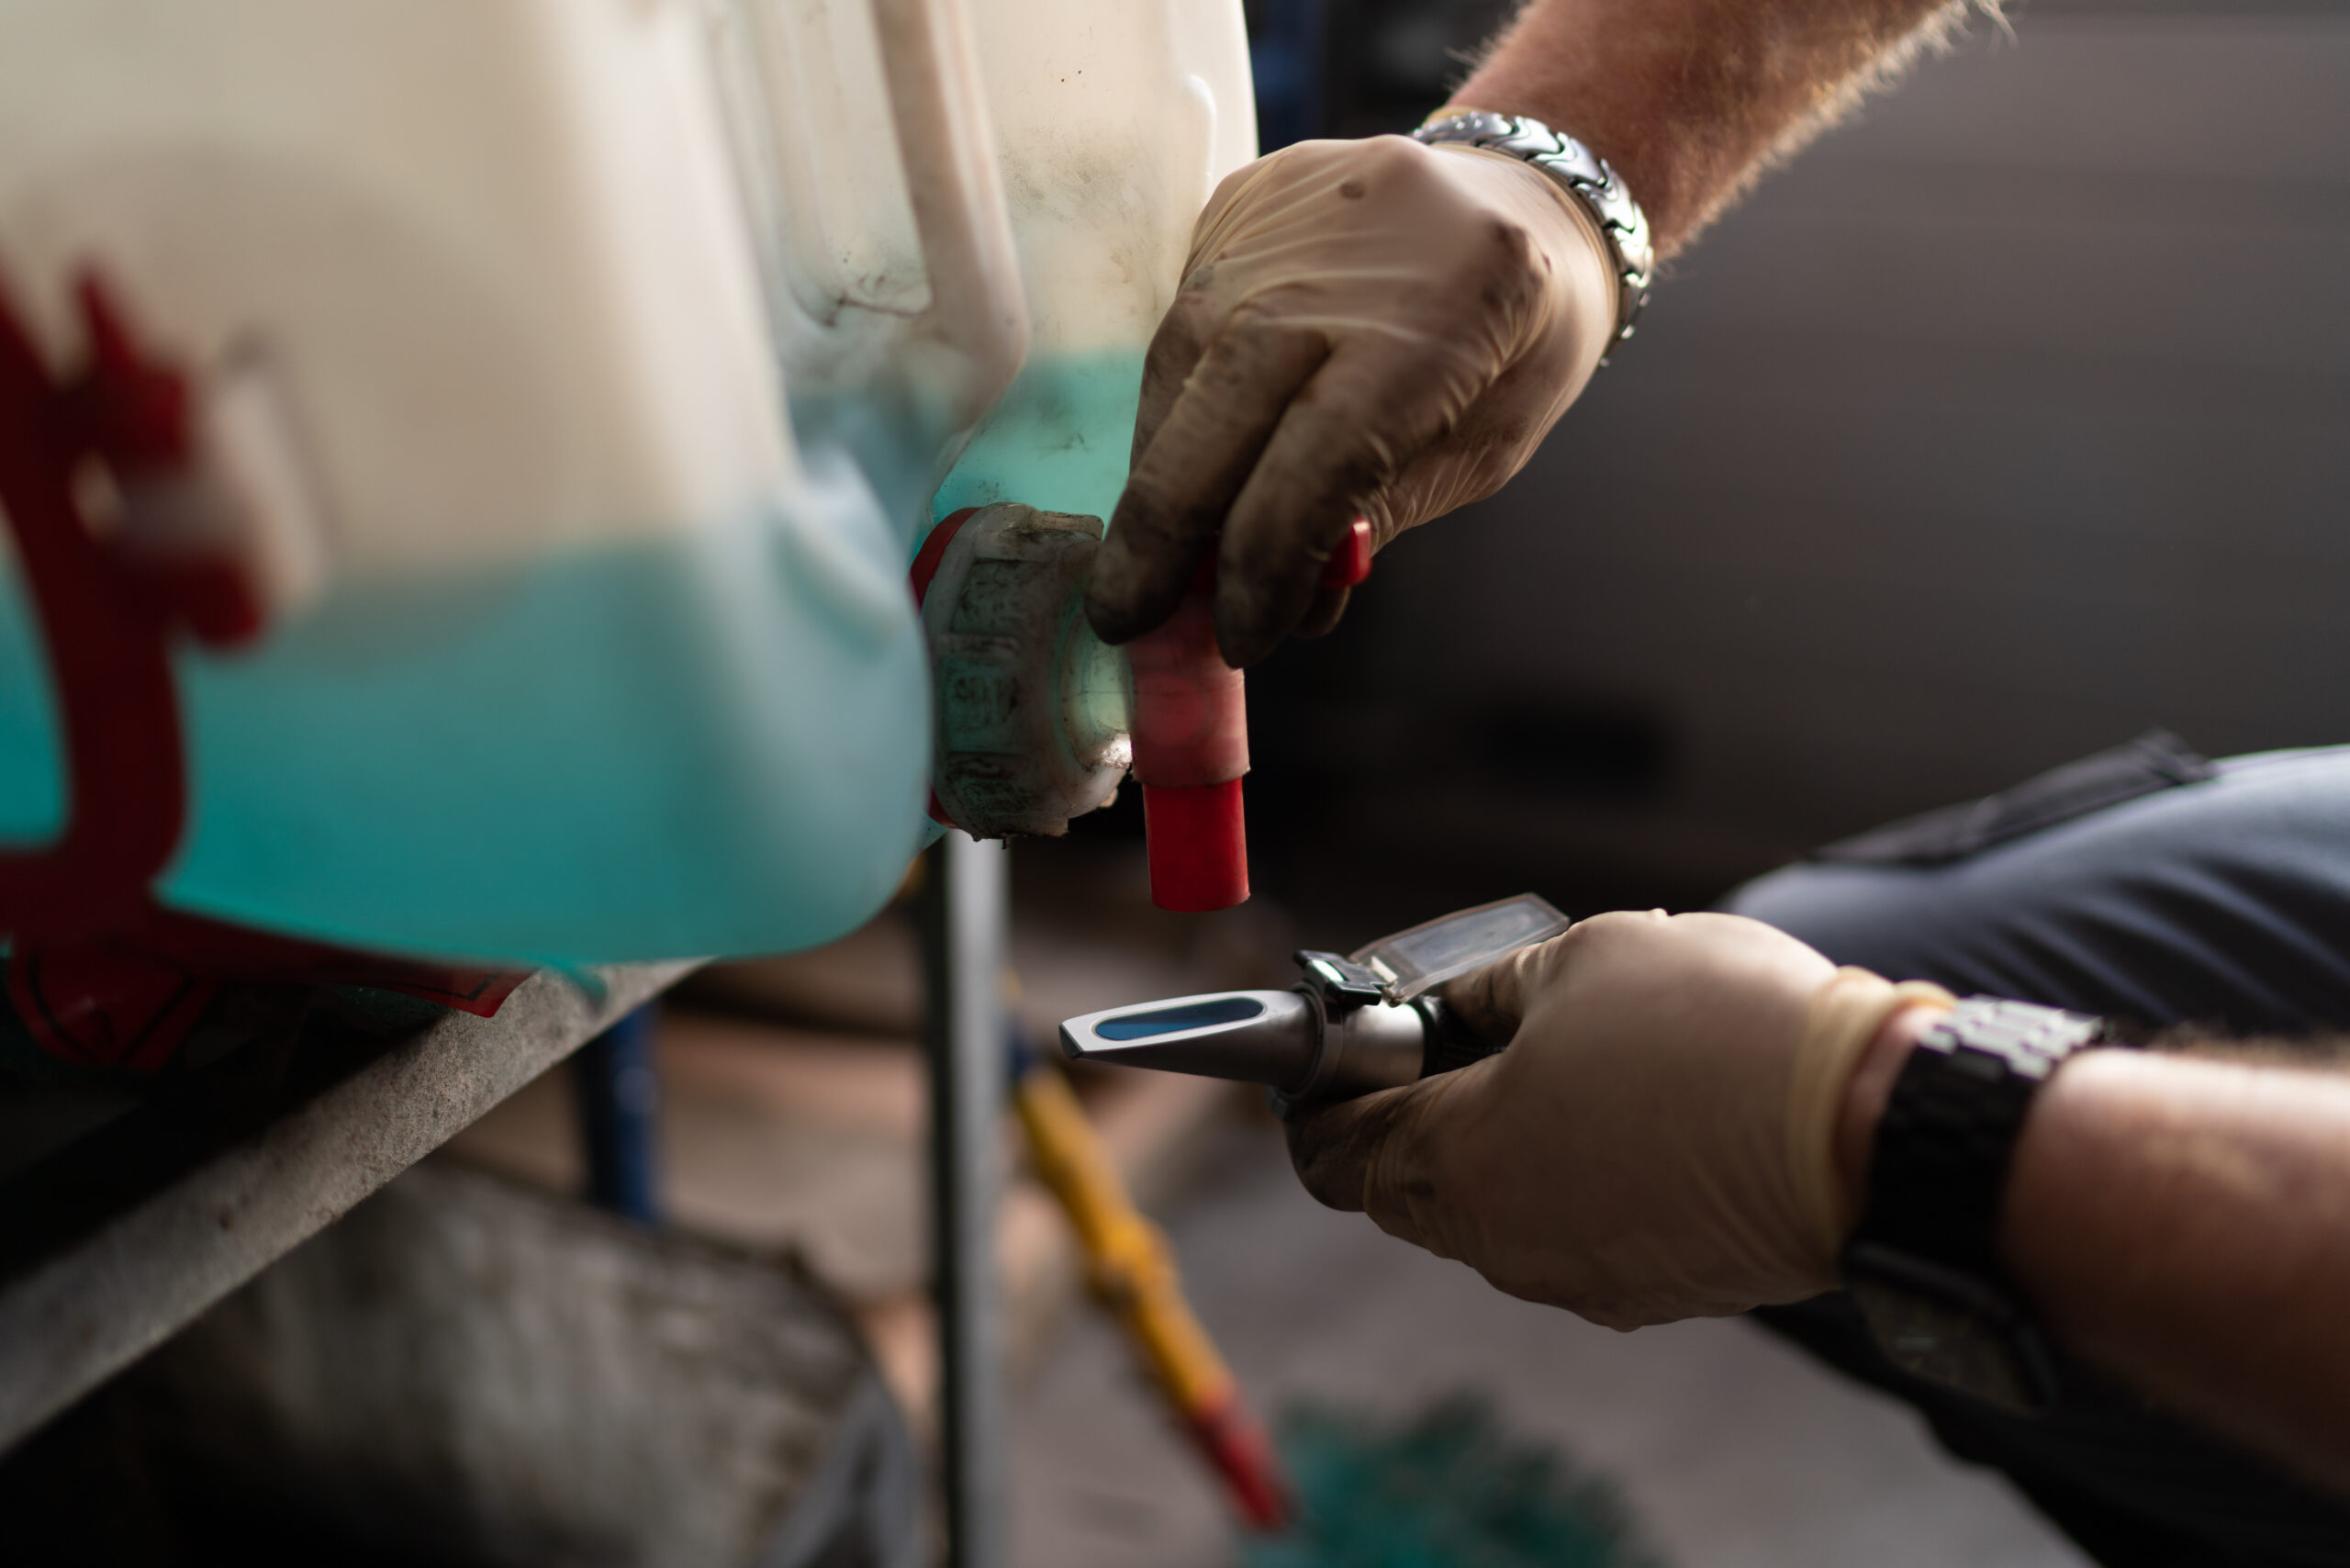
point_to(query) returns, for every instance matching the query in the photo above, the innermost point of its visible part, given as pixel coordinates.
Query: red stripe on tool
(1244, 1456)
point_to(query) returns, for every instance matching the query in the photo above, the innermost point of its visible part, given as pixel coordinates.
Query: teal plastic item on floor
(1446, 1488)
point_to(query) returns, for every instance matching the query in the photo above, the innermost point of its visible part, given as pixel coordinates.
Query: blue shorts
(2144, 884)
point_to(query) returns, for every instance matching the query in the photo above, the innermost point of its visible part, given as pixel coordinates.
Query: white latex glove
(1371, 329)
(1658, 1141)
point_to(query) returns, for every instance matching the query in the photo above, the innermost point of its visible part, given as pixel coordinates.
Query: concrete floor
(1732, 1449)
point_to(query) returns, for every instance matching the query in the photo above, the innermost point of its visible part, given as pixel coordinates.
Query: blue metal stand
(619, 1107)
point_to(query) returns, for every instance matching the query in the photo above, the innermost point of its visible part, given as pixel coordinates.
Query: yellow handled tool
(1131, 1271)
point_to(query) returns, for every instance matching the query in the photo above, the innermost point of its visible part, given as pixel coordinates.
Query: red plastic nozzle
(1199, 845)
(1192, 746)
(1190, 733)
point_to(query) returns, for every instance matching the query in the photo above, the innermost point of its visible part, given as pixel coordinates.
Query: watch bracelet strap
(1943, 1146)
(1584, 175)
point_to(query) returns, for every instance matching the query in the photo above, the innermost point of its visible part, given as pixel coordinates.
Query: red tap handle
(1350, 564)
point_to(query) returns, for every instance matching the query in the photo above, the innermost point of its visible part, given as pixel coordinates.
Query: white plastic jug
(1116, 120)
(590, 364)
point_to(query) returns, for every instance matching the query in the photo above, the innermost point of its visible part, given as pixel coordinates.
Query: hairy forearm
(1692, 99)
(2183, 1222)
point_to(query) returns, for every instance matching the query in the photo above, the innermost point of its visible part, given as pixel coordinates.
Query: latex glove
(1369, 329)
(1657, 1143)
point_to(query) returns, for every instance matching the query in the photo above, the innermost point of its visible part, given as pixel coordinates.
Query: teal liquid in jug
(1059, 441)
(715, 742)
(715, 738)
(712, 743)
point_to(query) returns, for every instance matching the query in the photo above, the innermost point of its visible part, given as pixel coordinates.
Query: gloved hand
(1371, 329)
(1657, 1143)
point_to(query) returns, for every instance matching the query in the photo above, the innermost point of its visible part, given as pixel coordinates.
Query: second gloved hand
(1375, 328)
(1658, 1141)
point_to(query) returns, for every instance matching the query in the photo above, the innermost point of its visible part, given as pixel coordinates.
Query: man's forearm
(1691, 99)
(2184, 1223)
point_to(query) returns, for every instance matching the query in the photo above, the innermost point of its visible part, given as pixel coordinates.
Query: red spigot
(1191, 737)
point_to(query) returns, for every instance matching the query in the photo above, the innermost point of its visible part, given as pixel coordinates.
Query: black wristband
(1923, 1262)
(1950, 1128)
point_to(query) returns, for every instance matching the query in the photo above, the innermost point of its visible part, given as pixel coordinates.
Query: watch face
(1954, 1344)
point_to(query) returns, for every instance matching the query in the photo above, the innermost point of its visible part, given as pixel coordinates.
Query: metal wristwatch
(1585, 176)
(1922, 1266)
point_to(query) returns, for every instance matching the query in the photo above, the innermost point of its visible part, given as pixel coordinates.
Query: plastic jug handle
(978, 312)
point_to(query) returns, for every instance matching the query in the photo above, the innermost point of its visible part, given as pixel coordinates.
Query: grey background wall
(2013, 420)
